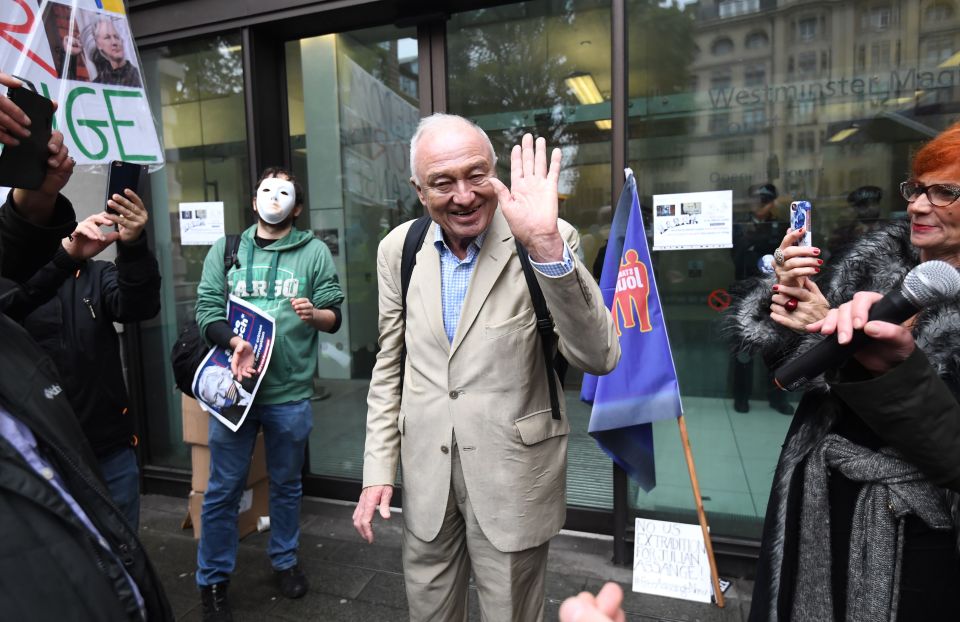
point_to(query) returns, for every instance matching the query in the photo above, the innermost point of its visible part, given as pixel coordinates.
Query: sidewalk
(353, 581)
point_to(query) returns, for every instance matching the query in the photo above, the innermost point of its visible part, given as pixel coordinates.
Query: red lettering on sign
(23, 29)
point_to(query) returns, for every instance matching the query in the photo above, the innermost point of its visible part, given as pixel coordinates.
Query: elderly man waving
(469, 416)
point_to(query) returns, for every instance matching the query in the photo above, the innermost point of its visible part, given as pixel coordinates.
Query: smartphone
(800, 212)
(123, 175)
(25, 165)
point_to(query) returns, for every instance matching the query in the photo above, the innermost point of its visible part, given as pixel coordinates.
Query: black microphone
(930, 283)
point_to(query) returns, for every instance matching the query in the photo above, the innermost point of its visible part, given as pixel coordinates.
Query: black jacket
(50, 566)
(76, 329)
(33, 264)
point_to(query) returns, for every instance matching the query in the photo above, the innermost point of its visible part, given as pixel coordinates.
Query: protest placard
(81, 53)
(670, 559)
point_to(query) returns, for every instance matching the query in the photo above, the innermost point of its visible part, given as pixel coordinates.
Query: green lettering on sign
(93, 125)
(117, 123)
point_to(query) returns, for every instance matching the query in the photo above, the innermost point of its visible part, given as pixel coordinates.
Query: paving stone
(351, 580)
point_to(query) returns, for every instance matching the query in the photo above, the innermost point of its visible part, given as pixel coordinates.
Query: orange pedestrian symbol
(630, 297)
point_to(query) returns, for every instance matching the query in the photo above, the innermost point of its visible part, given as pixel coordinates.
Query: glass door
(353, 103)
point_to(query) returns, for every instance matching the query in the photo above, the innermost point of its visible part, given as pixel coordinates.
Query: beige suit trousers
(510, 586)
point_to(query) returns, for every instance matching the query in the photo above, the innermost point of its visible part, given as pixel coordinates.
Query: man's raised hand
(530, 205)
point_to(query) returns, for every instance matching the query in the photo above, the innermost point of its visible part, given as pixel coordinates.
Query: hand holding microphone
(889, 344)
(930, 283)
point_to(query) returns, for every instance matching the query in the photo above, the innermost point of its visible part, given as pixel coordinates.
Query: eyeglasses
(939, 195)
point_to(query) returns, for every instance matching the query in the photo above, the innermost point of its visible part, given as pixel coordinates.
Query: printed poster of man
(81, 54)
(90, 45)
(217, 390)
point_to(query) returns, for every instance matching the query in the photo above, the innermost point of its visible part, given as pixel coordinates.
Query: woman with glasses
(830, 550)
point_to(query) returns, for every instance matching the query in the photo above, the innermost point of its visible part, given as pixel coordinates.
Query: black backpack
(190, 348)
(412, 243)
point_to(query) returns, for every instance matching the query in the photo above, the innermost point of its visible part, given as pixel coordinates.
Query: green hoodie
(296, 266)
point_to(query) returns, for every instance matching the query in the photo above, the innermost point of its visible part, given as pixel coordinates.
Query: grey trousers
(510, 586)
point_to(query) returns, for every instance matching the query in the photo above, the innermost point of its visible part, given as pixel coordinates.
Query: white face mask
(275, 199)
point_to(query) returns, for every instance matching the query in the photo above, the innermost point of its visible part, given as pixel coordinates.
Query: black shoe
(293, 583)
(741, 405)
(216, 608)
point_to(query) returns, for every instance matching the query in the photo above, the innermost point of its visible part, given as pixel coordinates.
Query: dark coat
(76, 329)
(50, 566)
(33, 264)
(913, 408)
(124, 75)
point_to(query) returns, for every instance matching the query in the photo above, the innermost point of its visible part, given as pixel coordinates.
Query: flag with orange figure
(643, 388)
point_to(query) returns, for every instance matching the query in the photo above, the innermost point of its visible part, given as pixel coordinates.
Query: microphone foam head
(932, 282)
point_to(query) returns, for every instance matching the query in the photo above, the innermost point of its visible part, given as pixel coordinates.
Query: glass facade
(545, 68)
(774, 101)
(818, 102)
(353, 104)
(196, 91)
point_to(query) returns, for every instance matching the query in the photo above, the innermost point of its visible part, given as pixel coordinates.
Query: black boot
(216, 607)
(293, 583)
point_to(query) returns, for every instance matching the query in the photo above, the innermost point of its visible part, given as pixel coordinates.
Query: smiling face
(454, 168)
(275, 200)
(936, 230)
(109, 42)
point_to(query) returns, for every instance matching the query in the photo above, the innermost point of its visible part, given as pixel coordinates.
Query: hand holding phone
(123, 175)
(14, 122)
(800, 212)
(24, 165)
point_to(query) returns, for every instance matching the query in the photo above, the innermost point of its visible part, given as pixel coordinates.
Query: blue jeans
(286, 428)
(122, 476)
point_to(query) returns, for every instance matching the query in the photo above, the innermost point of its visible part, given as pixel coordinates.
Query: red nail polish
(776, 288)
(819, 262)
(816, 269)
(816, 251)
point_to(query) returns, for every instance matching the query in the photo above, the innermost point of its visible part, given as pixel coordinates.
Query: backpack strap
(544, 326)
(416, 234)
(231, 247)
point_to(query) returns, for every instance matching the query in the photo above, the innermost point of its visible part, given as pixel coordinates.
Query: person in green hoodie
(289, 274)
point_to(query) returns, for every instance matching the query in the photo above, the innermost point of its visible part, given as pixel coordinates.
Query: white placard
(690, 220)
(670, 559)
(201, 224)
(81, 53)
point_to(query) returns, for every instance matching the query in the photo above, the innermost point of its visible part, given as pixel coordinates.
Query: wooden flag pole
(701, 514)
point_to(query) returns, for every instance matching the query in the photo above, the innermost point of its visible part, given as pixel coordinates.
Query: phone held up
(800, 212)
(123, 175)
(25, 165)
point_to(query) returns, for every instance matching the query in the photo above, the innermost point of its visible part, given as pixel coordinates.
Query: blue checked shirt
(455, 275)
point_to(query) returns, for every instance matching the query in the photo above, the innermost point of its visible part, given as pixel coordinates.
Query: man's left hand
(131, 215)
(530, 205)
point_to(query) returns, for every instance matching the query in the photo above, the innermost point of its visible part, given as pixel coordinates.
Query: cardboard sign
(670, 559)
(81, 54)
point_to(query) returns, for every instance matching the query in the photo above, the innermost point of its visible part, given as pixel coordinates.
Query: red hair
(941, 152)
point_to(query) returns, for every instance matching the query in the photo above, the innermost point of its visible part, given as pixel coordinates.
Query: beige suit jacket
(489, 387)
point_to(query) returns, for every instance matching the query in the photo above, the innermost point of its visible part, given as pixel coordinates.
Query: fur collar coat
(876, 262)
